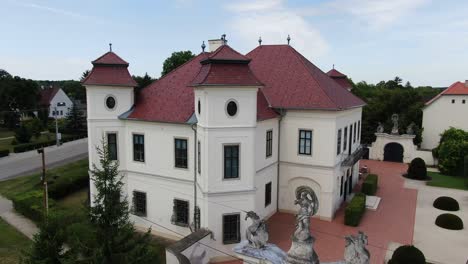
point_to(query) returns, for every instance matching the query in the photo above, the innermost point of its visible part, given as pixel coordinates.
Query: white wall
(442, 114)
(62, 111)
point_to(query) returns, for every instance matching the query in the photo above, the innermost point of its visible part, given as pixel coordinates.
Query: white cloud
(274, 21)
(378, 13)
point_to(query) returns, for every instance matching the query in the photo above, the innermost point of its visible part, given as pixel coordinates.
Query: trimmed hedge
(355, 210)
(4, 152)
(369, 186)
(61, 186)
(449, 221)
(33, 146)
(417, 169)
(407, 254)
(446, 203)
(31, 204)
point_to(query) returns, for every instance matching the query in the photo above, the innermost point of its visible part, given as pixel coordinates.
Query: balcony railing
(348, 160)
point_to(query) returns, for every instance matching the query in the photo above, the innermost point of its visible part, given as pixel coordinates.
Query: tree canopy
(175, 60)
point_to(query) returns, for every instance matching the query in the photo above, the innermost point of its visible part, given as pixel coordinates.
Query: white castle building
(238, 132)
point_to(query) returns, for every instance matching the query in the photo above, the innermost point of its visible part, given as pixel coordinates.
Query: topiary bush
(369, 186)
(407, 254)
(417, 169)
(446, 203)
(355, 210)
(449, 221)
(31, 204)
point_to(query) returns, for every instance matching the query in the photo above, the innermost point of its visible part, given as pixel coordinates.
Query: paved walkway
(22, 224)
(29, 162)
(392, 222)
(439, 245)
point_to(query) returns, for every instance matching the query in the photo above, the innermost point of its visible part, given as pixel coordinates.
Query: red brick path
(392, 222)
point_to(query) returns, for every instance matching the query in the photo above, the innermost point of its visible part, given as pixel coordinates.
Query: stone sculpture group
(302, 245)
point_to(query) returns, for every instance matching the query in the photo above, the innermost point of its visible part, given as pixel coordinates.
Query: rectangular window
(338, 147)
(267, 194)
(345, 138)
(138, 147)
(199, 157)
(231, 228)
(350, 136)
(463, 101)
(231, 161)
(354, 134)
(112, 145)
(341, 186)
(139, 203)
(359, 130)
(180, 214)
(453, 101)
(305, 142)
(61, 112)
(180, 150)
(269, 143)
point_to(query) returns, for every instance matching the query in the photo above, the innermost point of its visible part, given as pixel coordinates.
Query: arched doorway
(393, 152)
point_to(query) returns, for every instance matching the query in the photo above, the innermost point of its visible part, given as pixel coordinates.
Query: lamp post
(44, 181)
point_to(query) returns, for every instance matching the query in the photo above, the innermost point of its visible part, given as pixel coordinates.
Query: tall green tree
(175, 60)
(75, 121)
(119, 243)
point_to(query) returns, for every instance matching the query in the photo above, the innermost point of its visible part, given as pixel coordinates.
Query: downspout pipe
(195, 218)
(281, 112)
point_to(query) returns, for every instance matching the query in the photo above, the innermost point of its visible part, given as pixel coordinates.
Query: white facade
(162, 182)
(445, 112)
(60, 104)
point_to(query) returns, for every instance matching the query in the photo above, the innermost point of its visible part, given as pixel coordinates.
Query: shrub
(417, 169)
(67, 183)
(32, 146)
(452, 149)
(449, 221)
(23, 134)
(36, 127)
(407, 254)
(31, 204)
(4, 152)
(355, 210)
(369, 186)
(446, 203)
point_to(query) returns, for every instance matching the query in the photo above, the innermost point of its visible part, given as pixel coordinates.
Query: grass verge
(445, 181)
(12, 243)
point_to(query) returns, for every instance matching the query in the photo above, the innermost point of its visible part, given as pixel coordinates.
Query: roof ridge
(113, 53)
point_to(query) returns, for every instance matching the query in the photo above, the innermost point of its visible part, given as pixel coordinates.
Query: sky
(421, 41)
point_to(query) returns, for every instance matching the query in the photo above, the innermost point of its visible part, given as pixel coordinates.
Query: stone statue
(395, 124)
(301, 251)
(355, 249)
(410, 129)
(257, 232)
(380, 128)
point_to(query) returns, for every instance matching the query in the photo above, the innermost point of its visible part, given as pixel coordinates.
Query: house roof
(457, 88)
(335, 73)
(340, 78)
(110, 70)
(293, 82)
(289, 81)
(47, 95)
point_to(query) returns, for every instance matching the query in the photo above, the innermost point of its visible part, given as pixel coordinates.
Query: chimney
(214, 44)
(466, 83)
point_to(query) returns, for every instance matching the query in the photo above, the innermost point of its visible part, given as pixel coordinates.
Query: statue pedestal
(270, 254)
(302, 252)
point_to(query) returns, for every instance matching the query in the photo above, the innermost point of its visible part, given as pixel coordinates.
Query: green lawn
(12, 243)
(440, 180)
(6, 133)
(6, 143)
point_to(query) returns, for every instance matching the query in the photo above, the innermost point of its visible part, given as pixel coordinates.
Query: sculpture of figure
(257, 232)
(355, 249)
(395, 124)
(410, 129)
(309, 206)
(380, 128)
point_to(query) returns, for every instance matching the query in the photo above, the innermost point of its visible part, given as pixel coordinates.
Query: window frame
(134, 203)
(176, 165)
(354, 134)
(144, 147)
(238, 238)
(176, 212)
(115, 102)
(453, 101)
(269, 143)
(268, 196)
(359, 131)
(305, 145)
(238, 145)
(116, 144)
(338, 142)
(345, 138)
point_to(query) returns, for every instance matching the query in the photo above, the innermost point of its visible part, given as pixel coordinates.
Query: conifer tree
(75, 120)
(118, 241)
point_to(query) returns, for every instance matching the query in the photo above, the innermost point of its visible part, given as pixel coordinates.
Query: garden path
(21, 223)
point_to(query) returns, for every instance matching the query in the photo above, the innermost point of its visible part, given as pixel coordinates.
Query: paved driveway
(392, 222)
(29, 162)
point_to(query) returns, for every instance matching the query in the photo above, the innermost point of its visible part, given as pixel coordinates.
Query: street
(29, 162)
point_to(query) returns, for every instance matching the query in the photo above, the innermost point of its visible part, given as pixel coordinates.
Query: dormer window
(110, 102)
(231, 108)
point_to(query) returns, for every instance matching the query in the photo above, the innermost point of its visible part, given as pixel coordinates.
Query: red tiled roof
(110, 70)
(292, 82)
(264, 111)
(457, 88)
(225, 52)
(47, 95)
(343, 82)
(334, 73)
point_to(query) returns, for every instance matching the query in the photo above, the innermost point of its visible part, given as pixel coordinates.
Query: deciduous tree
(175, 60)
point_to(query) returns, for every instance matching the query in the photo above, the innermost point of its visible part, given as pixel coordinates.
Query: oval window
(231, 108)
(199, 107)
(110, 102)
